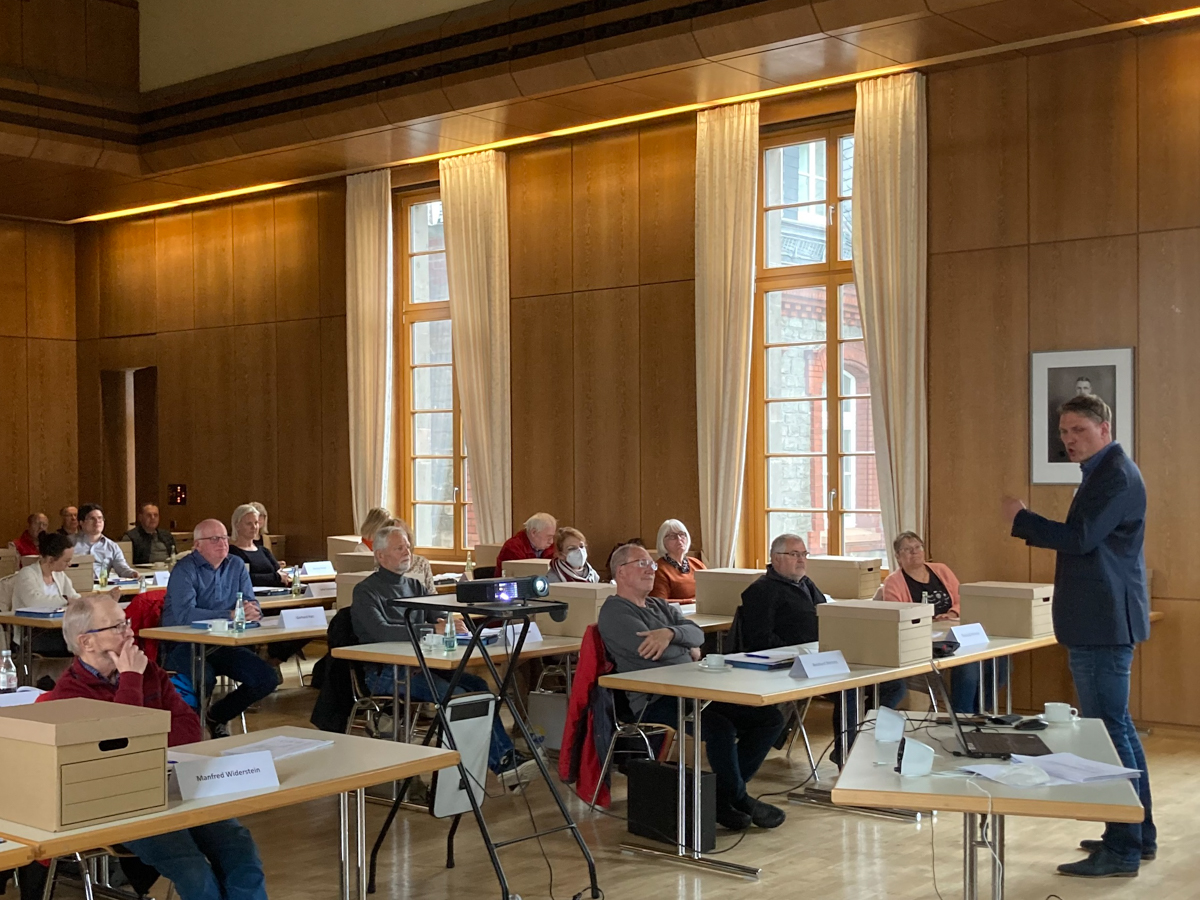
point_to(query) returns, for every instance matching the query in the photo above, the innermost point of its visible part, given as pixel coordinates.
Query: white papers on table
(22, 696)
(280, 747)
(763, 659)
(508, 639)
(1075, 769)
(1013, 776)
(687, 609)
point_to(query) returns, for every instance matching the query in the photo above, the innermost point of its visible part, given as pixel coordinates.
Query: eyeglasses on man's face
(795, 554)
(219, 538)
(120, 627)
(641, 564)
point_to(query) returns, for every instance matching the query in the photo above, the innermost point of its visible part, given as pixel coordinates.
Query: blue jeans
(964, 686)
(1101, 675)
(379, 680)
(208, 862)
(255, 677)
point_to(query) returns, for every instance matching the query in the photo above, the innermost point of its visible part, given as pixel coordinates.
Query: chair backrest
(734, 642)
(6, 593)
(9, 560)
(126, 550)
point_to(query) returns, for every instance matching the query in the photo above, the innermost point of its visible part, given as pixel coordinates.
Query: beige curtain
(369, 304)
(475, 221)
(726, 211)
(889, 227)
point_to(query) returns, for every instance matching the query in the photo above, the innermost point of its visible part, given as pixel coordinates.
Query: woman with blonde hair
(244, 528)
(570, 561)
(675, 579)
(377, 517)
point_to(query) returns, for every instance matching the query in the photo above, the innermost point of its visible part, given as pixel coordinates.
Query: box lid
(876, 609)
(865, 564)
(79, 721)
(1021, 590)
(581, 590)
(729, 573)
(351, 577)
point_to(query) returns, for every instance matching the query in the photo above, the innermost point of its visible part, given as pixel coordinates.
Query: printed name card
(324, 567)
(820, 665)
(969, 635)
(305, 617)
(162, 579)
(216, 775)
(513, 632)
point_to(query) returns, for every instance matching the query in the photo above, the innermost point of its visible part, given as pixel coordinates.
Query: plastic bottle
(8, 673)
(239, 615)
(469, 568)
(450, 635)
(103, 575)
(297, 584)
(141, 583)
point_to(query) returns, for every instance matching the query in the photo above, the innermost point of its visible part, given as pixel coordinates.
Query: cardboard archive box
(719, 591)
(82, 573)
(70, 763)
(522, 568)
(346, 582)
(341, 543)
(876, 632)
(1008, 608)
(846, 577)
(354, 562)
(485, 555)
(584, 601)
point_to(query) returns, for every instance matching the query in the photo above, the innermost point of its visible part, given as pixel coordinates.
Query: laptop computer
(987, 744)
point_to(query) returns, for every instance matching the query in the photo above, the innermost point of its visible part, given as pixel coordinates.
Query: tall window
(435, 479)
(811, 449)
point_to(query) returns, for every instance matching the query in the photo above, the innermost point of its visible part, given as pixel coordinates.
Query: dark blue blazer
(1100, 592)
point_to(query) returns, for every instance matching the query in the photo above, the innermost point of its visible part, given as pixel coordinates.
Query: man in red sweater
(27, 543)
(534, 541)
(209, 862)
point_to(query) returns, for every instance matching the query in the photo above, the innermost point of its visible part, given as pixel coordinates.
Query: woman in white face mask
(570, 561)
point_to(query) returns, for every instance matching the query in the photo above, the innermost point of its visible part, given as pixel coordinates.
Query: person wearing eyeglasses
(780, 608)
(215, 860)
(204, 585)
(104, 551)
(675, 579)
(641, 631)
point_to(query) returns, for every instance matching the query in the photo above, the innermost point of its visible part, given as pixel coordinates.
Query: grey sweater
(619, 622)
(375, 613)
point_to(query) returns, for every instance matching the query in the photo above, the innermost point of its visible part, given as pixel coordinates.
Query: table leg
(681, 774)
(998, 859)
(996, 686)
(202, 683)
(970, 871)
(24, 638)
(344, 842)
(396, 706)
(408, 723)
(840, 742)
(360, 830)
(697, 771)
(982, 693)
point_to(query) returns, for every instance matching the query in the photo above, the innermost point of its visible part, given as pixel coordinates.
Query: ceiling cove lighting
(819, 84)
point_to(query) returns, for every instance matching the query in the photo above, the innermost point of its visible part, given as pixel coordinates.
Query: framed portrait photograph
(1054, 379)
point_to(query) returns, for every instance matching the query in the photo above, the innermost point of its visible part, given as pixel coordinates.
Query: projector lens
(541, 587)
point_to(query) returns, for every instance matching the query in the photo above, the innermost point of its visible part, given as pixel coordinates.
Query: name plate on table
(212, 776)
(324, 567)
(305, 617)
(162, 579)
(969, 635)
(820, 665)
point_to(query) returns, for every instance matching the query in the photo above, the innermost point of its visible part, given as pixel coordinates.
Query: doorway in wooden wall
(129, 443)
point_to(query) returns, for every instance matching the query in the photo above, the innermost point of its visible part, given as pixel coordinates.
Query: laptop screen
(944, 700)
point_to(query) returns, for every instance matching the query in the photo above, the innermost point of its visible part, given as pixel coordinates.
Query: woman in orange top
(675, 579)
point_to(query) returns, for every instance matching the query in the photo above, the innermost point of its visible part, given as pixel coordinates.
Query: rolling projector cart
(462, 720)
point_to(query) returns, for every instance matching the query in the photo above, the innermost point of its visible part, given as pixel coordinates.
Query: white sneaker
(515, 779)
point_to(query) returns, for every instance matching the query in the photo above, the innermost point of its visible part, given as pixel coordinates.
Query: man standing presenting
(1100, 606)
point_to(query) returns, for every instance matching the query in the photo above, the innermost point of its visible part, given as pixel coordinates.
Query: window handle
(832, 209)
(832, 500)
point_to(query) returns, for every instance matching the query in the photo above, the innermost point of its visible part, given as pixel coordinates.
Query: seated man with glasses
(205, 585)
(643, 632)
(207, 862)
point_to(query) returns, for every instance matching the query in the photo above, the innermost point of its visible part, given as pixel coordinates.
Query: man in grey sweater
(378, 615)
(643, 632)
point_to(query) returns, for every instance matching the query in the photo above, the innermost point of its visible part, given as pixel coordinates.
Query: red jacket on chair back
(590, 721)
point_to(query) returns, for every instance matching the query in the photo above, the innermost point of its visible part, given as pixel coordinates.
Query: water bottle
(103, 575)
(297, 585)
(8, 673)
(141, 583)
(450, 635)
(239, 615)
(469, 568)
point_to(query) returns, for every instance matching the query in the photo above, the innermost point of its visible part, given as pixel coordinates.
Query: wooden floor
(816, 853)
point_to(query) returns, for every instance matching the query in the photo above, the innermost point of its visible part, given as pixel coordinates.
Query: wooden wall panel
(212, 262)
(1171, 666)
(1083, 295)
(978, 341)
(668, 453)
(90, 415)
(176, 423)
(1169, 131)
(87, 282)
(127, 278)
(50, 281)
(539, 220)
(12, 278)
(978, 159)
(14, 454)
(1083, 142)
(1169, 406)
(173, 266)
(253, 378)
(604, 189)
(53, 37)
(667, 202)
(331, 235)
(297, 257)
(53, 425)
(298, 510)
(335, 430)
(254, 262)
(543, 411)
(112, 44)
(607, 415)
(10, 33)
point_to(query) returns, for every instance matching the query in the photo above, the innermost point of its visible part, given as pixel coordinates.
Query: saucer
(1041, 717)
(704, 668)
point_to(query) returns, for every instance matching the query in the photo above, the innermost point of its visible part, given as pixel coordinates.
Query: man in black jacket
(780, 608)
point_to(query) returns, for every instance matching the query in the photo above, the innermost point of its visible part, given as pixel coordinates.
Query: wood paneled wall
(601, 244)
(38, 451)
(1065, 215)
(242, 309)
(85, 40)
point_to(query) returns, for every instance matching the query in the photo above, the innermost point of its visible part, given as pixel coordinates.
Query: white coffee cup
(221, 626)
(713, 661)
(432, 641)
(1060, 713)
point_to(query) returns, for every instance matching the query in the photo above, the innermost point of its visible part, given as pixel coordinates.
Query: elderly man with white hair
(534, 541)
(208, 862)
(377, 614)
(205, 584)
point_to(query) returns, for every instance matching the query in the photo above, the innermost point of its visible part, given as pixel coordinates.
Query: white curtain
(369, 303)
(889, 227)
(726, 212)
(474, 192)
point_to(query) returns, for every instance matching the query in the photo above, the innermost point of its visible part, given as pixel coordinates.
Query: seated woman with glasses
(675, 579)
(916, 580)
(570, 561)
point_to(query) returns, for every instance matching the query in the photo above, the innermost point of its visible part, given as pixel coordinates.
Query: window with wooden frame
(810, 453)
(435, 479)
